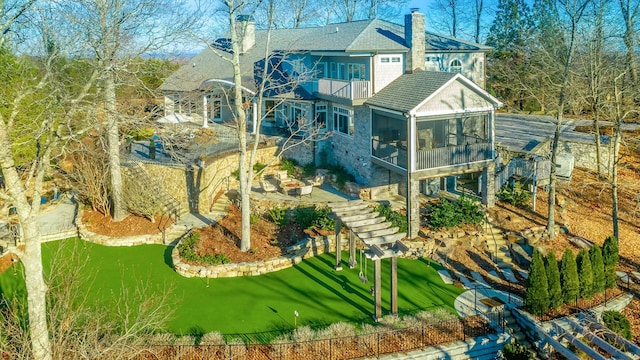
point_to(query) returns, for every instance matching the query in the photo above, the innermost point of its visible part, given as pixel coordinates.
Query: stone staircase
(223, 203)
(171, 206)
(497, 245)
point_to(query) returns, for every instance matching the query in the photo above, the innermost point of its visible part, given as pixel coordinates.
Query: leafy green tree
(553, 278)
(610, 258)
(569, 277)
(536, 298)
(585, 272)
(597, 265)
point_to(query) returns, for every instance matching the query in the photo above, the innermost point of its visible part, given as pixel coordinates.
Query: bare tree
(447, 17)
(117, 32)
(629, 10)
(574, 10)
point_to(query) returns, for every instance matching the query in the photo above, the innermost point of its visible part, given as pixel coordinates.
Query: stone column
(394, 285)
(413, 207)
(353, 262)
(489, 185)
(338, 245)
(377, 289)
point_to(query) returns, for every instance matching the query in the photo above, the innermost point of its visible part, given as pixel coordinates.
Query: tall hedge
(553, 278)
(610, 258)
(597, 264)
(536, 297)
(585, 274)
(569, 277)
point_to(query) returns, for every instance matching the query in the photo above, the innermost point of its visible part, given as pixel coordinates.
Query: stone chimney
(246, 30)
(415, 39)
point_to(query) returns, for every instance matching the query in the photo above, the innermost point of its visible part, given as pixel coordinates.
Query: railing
(452, 155)
(345, 89)
(366, 345)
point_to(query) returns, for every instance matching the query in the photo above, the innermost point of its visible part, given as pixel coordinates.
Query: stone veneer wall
(193, 186)
(354, 152)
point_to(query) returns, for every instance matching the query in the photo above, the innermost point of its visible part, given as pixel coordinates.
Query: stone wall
(196, 187)
(353, 152)
(132, 240)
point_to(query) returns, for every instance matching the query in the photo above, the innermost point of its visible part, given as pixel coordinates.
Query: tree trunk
(31, 258)
(113, 145)
(614, 181)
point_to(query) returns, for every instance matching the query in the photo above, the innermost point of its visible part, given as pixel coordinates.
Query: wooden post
(338, 245)
(377, 285)
(353, 262)
(394, 285)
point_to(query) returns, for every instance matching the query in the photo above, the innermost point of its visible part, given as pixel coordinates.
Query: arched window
(455, 66)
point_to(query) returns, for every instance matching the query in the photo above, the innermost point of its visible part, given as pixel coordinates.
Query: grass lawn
(241, 305)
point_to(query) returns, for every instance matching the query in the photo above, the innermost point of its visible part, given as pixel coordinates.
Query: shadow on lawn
(167, 256)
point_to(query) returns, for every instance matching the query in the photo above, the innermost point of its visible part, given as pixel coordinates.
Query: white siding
(386, 72)
(473, 64)
(454, 98)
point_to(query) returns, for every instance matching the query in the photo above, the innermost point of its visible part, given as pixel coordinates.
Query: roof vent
(415, 9)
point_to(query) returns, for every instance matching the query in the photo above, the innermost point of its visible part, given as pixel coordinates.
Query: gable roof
(357, 36)
(409, 91)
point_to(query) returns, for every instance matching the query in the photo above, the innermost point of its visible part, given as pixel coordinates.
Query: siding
(455, 97)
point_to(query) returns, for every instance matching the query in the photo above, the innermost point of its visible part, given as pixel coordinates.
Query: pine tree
(536, 298)
(610, 258)
(585, 272)
(569, 277)
(553, 278)
(597, 265)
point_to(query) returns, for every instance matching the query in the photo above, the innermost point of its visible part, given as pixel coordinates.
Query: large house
(405, 109)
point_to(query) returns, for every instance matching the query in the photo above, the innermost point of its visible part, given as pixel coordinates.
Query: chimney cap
(415, 10)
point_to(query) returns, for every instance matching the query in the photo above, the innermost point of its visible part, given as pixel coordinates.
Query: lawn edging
(294, 254)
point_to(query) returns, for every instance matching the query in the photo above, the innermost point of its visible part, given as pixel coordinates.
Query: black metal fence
(352, 347)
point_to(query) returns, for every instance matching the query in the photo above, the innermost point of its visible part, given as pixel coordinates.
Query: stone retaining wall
(133, 240)
(293, 255)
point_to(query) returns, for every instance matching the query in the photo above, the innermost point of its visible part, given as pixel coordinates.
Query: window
(384, 59)
(343, 120)
(269, 111)
(321, 116)
(215, 108)
(455, 66)
(321, 70)
(356, 71)
(298, 67)
(334, 70)
(395, 59)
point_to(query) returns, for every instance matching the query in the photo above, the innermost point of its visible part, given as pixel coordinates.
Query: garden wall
(132, 240)
(195, 187)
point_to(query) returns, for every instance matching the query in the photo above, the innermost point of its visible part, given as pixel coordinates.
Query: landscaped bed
(266, 303)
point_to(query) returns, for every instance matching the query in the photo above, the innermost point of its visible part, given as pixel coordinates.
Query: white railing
(452, 155)
(353, 90)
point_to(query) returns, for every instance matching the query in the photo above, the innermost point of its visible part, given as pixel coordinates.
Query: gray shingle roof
(357, 36)
(409, 90)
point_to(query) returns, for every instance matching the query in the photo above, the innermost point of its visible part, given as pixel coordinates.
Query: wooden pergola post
(394, 285)
(377, 286)
(353, 262)
(338, 245)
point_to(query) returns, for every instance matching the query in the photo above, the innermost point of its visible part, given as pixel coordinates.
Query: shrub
(569, 277)
(323, 221)
(610, 258)
(515, 351)
(342, 175)
(515, 195)
(279, 216)
(309, 169)
(394, 217)
(553, 278)
(257, 167)
(597, 265)
(448, 214)
(536, 297)
(187, 250)
(618, 323)
(289, 165)
(305, 216)
(585, 274)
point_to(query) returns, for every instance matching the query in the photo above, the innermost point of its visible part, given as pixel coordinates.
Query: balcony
(452, 155)
(345, 89)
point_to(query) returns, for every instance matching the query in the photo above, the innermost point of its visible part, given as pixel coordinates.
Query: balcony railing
(345, 89)
(452, 155)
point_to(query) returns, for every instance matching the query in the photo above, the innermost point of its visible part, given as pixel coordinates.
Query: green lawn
(320, 294)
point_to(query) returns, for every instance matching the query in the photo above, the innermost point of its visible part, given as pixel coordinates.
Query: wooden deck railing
(452, 155)
(345, 89)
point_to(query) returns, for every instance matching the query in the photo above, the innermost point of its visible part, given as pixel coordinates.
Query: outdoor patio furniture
(283, 177)
(267, 186)
(305, 190)
(316, 181)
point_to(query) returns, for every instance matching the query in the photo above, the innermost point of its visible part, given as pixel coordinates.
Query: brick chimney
(246, 30)
(415, 39)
